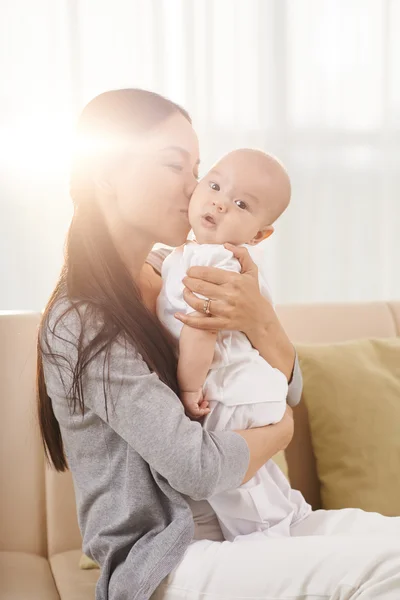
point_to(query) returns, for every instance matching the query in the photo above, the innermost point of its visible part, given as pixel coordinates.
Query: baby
(237, 202)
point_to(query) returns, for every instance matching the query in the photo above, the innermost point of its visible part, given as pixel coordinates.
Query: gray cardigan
(131, 469)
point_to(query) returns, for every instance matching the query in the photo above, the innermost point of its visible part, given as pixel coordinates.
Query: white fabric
(243, 391)
(331, 555)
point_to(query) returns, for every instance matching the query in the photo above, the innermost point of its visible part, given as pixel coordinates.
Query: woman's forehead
(175, 132)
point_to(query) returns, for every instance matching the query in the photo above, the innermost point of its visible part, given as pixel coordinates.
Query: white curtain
(315, 82)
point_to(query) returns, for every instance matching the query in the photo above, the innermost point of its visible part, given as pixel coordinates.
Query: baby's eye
(241, 204)
(214, 186)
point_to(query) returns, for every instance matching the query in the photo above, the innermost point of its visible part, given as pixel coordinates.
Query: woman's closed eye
(180, 168)
(215, 186)
(241, 204)
(175, 166)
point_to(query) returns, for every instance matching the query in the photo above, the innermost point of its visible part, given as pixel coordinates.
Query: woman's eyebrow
(181, 150)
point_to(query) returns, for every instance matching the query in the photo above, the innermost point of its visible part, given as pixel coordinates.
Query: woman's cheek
(173, 185)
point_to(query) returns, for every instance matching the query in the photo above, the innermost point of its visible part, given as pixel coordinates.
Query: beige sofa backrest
(330, 323)
(22, 486)
(37, 505)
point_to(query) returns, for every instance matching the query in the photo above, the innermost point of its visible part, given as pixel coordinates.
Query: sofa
(40, 543)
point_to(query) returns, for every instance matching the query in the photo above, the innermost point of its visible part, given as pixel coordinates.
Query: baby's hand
(196, 406)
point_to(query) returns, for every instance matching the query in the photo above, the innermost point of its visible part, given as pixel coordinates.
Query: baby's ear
(262, 235)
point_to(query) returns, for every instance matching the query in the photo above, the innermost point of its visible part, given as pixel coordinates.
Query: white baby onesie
(243, 391)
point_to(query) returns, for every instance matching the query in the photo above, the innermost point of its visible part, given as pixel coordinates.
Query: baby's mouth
(209, 219)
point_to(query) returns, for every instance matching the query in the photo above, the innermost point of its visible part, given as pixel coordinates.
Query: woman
(107, 387)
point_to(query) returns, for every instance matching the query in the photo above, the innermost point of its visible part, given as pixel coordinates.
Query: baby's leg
(266, 504)
(243, 510)
(241, 396)
(243, 416)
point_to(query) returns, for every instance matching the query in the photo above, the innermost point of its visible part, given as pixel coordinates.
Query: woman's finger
(208, 290)
(243, 256)
(211, 274)
(216, 307)
(200, 322)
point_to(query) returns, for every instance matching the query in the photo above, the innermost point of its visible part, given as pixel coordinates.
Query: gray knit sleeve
(145, 412)
(295, 385)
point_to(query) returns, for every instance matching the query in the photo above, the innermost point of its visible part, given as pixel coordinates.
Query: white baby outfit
(244, 391)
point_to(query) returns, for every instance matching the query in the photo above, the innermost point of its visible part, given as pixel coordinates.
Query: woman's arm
(265, 442)
(119, 388)
(271, 341)
(295, 385)
(274, 345)
(150, 417)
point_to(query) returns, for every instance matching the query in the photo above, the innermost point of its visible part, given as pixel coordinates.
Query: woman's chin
(174, 239)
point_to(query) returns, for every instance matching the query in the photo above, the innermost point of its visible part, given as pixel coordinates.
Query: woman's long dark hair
(93, 274)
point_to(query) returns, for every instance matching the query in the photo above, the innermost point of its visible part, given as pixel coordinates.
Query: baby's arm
(196, 346)
(196, 352)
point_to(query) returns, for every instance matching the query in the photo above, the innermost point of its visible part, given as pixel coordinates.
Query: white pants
(266, 503)
(338, 555)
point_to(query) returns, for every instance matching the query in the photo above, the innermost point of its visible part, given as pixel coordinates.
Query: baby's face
(230, 203)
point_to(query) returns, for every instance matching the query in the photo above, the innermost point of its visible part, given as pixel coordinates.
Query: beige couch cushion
(22, 514)
(62, 524)
(352, 392)
(72, 583)
(26, 577)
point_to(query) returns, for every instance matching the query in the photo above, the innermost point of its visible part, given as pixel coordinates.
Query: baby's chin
(204, 235)
(206, 239)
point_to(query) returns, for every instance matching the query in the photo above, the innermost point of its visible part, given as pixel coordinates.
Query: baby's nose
(220, 205)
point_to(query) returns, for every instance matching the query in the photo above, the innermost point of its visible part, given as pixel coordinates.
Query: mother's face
(155, 181)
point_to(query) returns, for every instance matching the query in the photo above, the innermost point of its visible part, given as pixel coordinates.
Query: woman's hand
(237, 305)
(236, 302)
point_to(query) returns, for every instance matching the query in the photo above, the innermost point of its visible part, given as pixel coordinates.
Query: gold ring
(206, 307)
